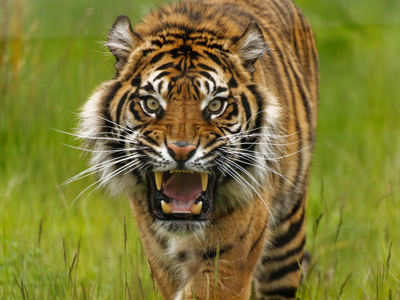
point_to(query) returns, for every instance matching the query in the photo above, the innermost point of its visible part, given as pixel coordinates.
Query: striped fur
(258, 57)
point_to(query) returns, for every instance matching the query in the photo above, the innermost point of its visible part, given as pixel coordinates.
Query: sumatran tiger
(208, 127)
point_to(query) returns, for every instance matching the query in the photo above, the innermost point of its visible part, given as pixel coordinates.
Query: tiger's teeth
(196, 208)
(166, 207)
(204, 181)
(158, 176)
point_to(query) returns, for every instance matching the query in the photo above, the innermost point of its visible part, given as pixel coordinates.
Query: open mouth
(181, 195)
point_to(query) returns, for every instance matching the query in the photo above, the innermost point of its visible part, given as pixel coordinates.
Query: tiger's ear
(121, 41)
(251, 46)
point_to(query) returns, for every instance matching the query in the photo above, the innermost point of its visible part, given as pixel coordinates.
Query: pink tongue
(183, 187)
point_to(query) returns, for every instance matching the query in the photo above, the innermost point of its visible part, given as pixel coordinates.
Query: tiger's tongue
(183, 187)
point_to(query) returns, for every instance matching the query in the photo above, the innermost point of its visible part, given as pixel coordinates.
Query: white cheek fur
(90, 131)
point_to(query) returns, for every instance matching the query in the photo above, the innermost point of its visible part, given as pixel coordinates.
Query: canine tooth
(196, 208)
(158, 176)
(166, 207)
(204, 181)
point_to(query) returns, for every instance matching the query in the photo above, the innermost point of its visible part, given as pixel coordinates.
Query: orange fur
(259, 57)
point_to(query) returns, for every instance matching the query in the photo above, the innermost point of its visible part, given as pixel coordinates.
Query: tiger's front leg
(219, 279)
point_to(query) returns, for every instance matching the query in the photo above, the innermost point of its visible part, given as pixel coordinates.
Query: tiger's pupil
(152, 104)
(215, 105)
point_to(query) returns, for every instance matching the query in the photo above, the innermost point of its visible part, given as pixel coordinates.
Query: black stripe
(228, 129)
(258, 238)
(157, 58)
(170, 87)
(278, 274)
(246, 106)
(136, 81)
(119, 107)
(162, 74)
(165, 66)
(160, 86)
(205, 67)
(157, 43)
(151, 141)
(208, 76)
(212, 142)
(146, 51)
(285, 256)
(207, 86)
(259, 101)
(149, 88)
(214, 58)
(207, 43)
(285, 292)
(234, 111)
(299, 169)
(135, 112)
(232, 82)
(107, 123)
(294, 228)
(296, 48)
(211, 154)
(150, 151)
(295, 207)
(186, 30)
(304, 98)
(220, 89)
(285, 14)
(114, 89)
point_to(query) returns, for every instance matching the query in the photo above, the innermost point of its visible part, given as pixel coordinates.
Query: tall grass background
(55, 247)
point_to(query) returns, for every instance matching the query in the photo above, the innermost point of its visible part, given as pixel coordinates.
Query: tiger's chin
(181, 200)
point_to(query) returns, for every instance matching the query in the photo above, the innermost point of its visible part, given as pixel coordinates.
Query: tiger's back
(209, 127)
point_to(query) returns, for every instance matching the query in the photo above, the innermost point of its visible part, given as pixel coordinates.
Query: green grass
(54, 248)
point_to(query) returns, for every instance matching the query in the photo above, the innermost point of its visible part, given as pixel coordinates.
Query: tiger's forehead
(196, 38)
(174, 83)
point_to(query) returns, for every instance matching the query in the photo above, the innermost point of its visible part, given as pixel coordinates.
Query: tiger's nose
(181, 150)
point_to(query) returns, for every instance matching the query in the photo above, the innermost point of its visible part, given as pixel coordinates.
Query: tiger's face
(180, 125)
(181, 114)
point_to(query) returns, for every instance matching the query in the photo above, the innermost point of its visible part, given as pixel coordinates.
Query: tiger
(208, 128)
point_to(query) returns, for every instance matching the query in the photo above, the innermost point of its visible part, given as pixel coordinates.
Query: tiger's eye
(152, 104)
(215, 105)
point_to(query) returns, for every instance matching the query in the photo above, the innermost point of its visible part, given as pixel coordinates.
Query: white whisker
(99, 181)
(92, 137)
(106, 151)
(232, 172)
(103, 165)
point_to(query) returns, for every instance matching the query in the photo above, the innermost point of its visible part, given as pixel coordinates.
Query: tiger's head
(183, 126)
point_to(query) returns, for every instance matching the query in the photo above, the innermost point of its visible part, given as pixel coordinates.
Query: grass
(54, 248)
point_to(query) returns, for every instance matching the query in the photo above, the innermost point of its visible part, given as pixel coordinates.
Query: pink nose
(181, 150)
